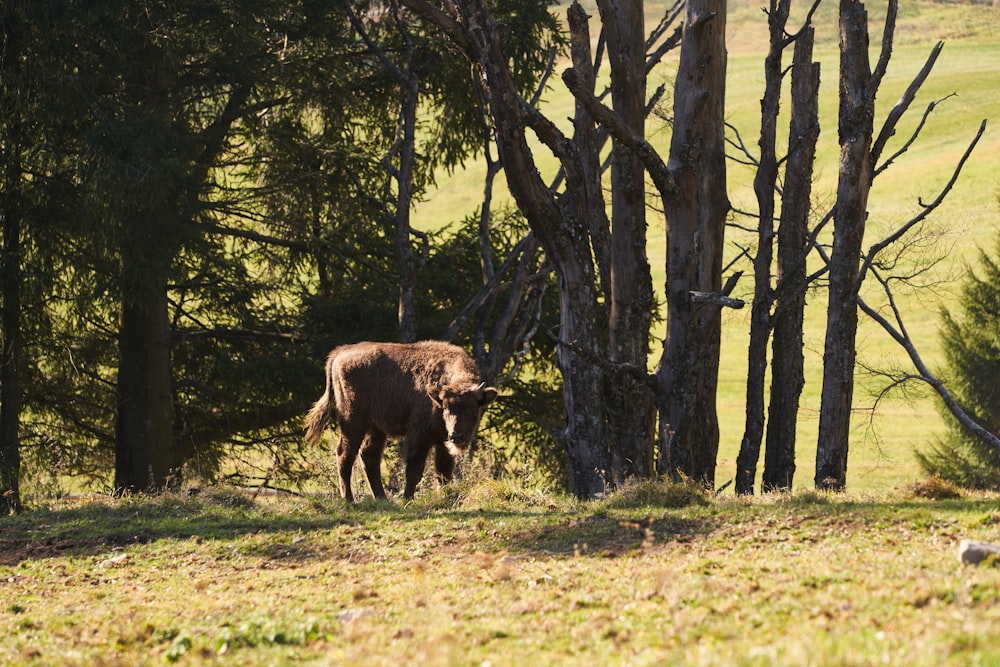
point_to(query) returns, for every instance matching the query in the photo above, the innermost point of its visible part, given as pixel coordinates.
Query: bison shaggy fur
(428, 393)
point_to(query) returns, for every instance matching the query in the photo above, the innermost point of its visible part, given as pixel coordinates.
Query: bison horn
(481, 385)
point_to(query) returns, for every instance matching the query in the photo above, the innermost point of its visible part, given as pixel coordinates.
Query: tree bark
(561, 229)
(631, 412)
(404, 199)
(687, 375)
(13, 75)
(145, 456)
(588, 144)
(760, 316)
(10, 352)
(787, 374)
(855, 129)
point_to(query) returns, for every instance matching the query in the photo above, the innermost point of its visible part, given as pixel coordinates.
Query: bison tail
(318, 418)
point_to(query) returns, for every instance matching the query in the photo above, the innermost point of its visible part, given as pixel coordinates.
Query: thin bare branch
(886, 52)
(488, 289)
(670, 17)
(897, 112)
(741, 146)
(444, 21)
(913, 137)
(900, 336)
(654, 164)
(543, 81)
(717, 300)
(926, 210)
(612, 368)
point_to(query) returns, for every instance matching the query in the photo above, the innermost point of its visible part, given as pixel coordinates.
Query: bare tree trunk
(760, 317)
(562, 230)
(403, 150)
(404, 197)
(687, 375)
(857, 101)
(631, 412)
(145, 455)
(588, 144)
(787, 374)
(11, 214)
(10, 353)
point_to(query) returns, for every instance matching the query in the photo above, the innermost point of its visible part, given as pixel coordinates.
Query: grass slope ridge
(487, 573)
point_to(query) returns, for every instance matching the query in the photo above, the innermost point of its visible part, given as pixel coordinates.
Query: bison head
(462, 408)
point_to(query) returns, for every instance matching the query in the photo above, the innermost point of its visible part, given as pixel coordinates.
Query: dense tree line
(200, 199)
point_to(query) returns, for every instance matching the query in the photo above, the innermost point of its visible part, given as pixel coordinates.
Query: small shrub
(658, 493)
(934, 488)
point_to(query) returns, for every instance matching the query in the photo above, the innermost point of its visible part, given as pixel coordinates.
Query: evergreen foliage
(971, 342)
(230, 163)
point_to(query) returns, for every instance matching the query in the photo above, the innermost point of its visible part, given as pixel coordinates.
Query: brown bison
(428, 393)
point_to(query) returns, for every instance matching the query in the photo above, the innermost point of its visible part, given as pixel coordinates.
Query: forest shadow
(105, 525)
(92, 529)
(608, 537)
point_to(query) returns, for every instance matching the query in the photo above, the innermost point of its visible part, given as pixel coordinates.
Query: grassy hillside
(965, 80)
(492, 575)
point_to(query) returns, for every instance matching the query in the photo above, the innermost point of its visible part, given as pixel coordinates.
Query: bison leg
(371, 456)
(347, 452)
(416, 460)
(444, 463)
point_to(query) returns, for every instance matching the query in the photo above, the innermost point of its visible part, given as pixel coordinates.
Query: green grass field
(965, 79)
(489, 574)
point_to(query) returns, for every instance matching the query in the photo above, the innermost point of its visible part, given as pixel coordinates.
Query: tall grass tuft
(637, 493)
(934, 488)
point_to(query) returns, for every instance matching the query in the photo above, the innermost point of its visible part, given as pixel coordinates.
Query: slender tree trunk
(585, 435)
(851, 209)
(146, 458)
(12, 69)
(787, 374)
(760, 317)
(631, 412)
(404, 183)
(10, 352)
(687, 375)
(588, 144)
(561, 229)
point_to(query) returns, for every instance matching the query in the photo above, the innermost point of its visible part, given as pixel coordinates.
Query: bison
(428, 393)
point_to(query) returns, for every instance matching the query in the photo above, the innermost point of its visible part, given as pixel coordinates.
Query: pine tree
(971, 344)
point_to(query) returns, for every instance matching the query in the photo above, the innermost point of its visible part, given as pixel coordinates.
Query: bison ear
(487, 395)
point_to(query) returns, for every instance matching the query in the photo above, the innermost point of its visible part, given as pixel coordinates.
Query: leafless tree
(692, 187)
(849, 268)
(602, 272)
(858, 86)
(787, 373)
(894, 324)
(780, 308)
(687, 373)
